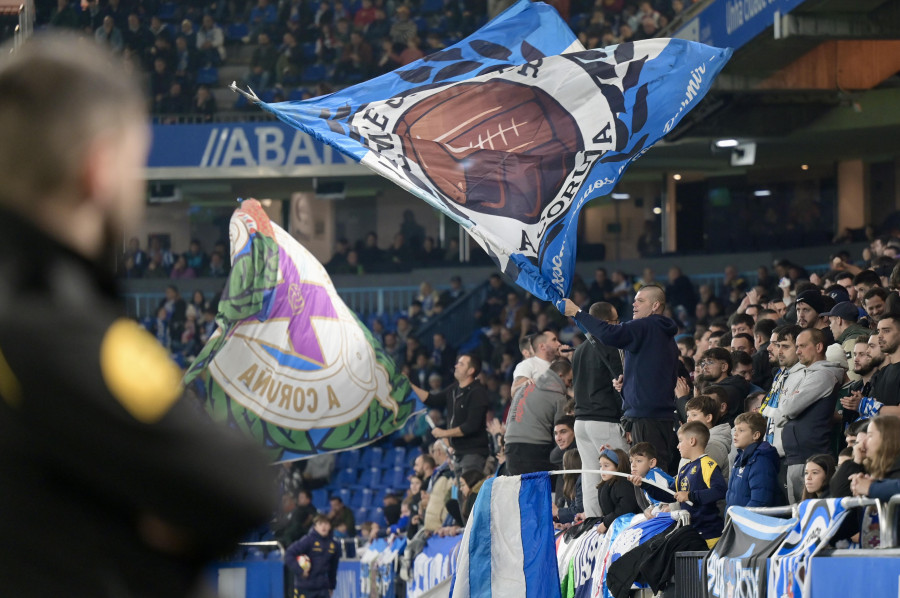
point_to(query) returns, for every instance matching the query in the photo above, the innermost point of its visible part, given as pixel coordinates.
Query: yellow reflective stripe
(707, 465)
(10, 389)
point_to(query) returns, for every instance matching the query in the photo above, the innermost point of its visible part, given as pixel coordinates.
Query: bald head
(650, 300)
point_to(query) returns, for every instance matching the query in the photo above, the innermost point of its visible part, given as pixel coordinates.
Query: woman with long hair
(574, 503)
(817, 476)
(882, 463)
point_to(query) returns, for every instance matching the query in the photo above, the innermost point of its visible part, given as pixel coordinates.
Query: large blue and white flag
(737, 564)
(511, 131)
(508, 548)
(817, 521)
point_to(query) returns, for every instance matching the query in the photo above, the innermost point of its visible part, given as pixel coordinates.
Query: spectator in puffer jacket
(754, 473)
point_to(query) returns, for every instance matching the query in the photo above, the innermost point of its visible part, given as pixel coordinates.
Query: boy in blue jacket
(754, 474)
(313, 559)
(699, 481)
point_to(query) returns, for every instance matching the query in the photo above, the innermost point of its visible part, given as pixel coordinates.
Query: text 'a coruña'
(288, 397)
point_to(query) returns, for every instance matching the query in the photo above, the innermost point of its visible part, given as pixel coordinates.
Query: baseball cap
(838, 293)
(813, 299)
(845, 311)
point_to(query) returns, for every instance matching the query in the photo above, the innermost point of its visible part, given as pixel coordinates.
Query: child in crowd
(754, 475)
(643, 463)
(707, 410)
(856, 434)
(845, 455)
(615, 495)
(882, 460)
(699, 482)
(313, 559)
(574, 502)
(817, 476)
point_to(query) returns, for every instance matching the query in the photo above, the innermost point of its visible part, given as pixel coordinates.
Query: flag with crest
(291, 365)
(511, 131)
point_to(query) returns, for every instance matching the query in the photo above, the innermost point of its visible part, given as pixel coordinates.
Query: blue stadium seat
(411, 454)
(320, 499)
(421, 25)
(376, 514)
(309, 51)
(376, 456)
(345, 495)
(356, 499)
(430, 7)
(274, 555)
(370, 478)
(295, 96)
(361, 515)
(236, 32)
(366, 497)
(397, 478)
(347, 477)
(167, 11)
(208, 75)
(314, 73)
(398, 457)
(346, 459)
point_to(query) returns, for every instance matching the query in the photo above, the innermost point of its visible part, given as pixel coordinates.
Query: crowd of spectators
(784, 379)
(305, 48)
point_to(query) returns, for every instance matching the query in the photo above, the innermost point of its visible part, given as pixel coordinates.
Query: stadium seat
(355, 499)
(167, 11)
(366, 497)
(398, 457)
(208, 75)
(236, 32)
(432, 7)
(397, 478)
(345, 495)
(376, 456)
(314, 73)
(411, 454)
(320, 499)
(309, 51)
(361, 515)
(347, 477)
(347, 459)
(370, 478)
(376, 514)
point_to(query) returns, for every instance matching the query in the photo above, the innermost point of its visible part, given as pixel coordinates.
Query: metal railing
(457, 321)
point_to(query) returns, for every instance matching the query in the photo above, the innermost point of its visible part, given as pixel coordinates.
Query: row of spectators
(319, 44)
(158, 261)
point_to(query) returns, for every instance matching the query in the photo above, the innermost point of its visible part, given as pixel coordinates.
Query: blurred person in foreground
(114, 483)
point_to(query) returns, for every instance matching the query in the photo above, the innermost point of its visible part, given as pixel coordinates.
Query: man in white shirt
(546, 348)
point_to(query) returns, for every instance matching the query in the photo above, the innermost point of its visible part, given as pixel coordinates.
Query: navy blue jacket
(702, 480)
(323, 557)
(651, 362)
(754, 477)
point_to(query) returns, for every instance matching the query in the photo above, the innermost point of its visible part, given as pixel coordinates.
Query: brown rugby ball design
(499, 147)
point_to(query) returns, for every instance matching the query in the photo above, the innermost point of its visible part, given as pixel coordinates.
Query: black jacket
(467, 409)
(737, 389)
(595, 367)
(886, 385)
(97, 442)
(617, 498)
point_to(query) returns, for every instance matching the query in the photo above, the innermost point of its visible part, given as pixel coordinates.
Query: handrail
(449, 322)
(885, 514)
(888, 535)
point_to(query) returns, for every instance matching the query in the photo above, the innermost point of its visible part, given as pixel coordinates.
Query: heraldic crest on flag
(511, 131)
(291, 364)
